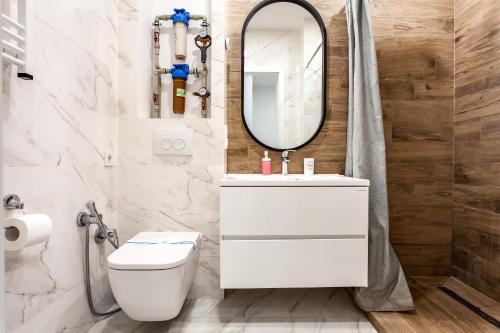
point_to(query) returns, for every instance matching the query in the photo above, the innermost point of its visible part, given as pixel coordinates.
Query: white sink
(291, 180)
(293, 231)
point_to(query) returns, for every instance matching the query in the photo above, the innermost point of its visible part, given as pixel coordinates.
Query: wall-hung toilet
(151, 274)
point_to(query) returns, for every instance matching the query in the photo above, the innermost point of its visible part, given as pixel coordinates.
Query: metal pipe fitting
(156, 84)
(12, 201)
(102, 233)
(285, 159)
(197, 17)
(164, 17)
(157, 71)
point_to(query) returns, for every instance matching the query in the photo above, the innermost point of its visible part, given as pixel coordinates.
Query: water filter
(180, 74)
(180, 20)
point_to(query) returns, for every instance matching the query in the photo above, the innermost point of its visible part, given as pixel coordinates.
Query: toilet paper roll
(26, 230)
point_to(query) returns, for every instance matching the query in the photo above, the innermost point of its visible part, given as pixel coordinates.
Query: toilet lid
(155, 250)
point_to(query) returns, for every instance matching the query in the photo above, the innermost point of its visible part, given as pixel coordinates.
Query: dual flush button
(172, 141)
(177, 144)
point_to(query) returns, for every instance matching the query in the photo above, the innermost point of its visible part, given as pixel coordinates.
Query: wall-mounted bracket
(12, 201)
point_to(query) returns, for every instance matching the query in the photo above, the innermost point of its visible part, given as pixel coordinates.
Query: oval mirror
(283, 74)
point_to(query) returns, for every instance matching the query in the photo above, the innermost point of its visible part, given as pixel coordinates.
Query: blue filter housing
(180, 15)
(180, 74)
(180, 71)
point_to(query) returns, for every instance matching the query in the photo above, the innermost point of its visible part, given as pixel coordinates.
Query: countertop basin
(292, 180)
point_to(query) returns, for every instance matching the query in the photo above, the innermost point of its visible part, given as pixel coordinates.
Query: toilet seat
(152, 273)
(154, 251)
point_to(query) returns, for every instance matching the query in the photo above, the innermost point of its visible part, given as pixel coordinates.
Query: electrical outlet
(108, 160)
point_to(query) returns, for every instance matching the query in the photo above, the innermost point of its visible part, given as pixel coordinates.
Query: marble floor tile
(208, 325)
(268, 325)
(200, 308)
(324, 302)
(256, 311)
(233, 325)
(326, 325)
(117, 323)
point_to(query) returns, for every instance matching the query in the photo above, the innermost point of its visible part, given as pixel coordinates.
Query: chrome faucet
(284, 161)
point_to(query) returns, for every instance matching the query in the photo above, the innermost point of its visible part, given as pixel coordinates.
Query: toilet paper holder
(12, 201)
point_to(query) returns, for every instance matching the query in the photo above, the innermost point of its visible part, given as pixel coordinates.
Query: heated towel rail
(16, 38)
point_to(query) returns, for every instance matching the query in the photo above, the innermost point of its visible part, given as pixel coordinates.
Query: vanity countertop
(298, 180)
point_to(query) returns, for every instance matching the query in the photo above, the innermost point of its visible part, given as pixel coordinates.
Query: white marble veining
(171, 193)
(293, 50)
(276, 311)
(86, 101)
(57, 129)
(279, 50)
(313, 76)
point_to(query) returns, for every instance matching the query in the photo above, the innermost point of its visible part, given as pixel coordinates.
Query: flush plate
(173, 141)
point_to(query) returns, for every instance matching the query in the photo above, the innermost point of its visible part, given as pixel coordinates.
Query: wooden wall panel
(476, 224)
(243, 155)
(416, 65)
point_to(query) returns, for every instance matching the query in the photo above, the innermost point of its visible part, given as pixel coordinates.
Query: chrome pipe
(157, 71)
(156, 84)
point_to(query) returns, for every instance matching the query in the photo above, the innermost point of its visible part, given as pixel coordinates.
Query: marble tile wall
(171, 193)
(57, 130)
(313, 78)
(279, 50)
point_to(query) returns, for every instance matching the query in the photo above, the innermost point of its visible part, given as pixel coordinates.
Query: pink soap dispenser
(266, 164)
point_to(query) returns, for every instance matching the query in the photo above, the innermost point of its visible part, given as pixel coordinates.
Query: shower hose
(87, 277)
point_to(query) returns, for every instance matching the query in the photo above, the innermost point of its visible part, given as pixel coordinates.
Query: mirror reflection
(283, 76)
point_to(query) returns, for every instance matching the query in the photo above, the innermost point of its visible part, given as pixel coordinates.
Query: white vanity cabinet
(293, 231)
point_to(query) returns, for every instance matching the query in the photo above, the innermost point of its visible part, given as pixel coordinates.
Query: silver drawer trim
(289, 237)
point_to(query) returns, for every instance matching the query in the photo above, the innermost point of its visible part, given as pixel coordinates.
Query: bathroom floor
(259, 311)
(437, 312)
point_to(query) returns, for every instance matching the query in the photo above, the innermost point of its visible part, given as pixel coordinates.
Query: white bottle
(308, 166)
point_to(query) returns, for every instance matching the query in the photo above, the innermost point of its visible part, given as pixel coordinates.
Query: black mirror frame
(310, 8)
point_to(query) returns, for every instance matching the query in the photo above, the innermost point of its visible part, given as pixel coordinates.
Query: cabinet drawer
(294, 211)
(294, 263)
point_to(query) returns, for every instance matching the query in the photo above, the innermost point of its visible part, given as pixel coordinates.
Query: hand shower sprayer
(102, 233)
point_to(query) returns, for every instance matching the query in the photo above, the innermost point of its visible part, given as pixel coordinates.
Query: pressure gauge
(202, 91)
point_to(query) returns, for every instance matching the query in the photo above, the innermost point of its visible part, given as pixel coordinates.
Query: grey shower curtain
(387, 288)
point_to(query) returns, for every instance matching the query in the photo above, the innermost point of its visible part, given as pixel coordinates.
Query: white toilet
(151, 273)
